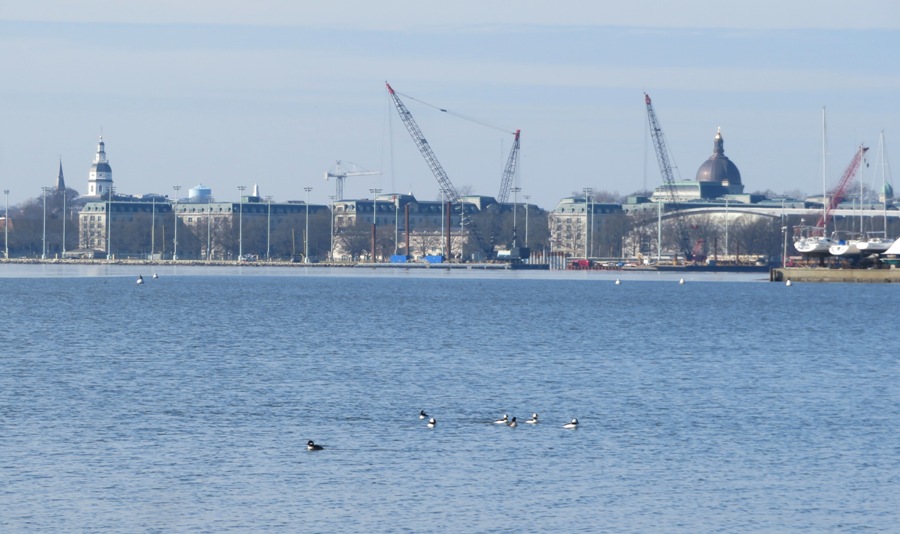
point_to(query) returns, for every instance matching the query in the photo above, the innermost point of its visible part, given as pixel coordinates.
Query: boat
(811, 240)
(874, 243)
(891, 256)
(844, 244)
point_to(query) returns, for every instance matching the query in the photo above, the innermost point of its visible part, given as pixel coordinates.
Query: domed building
(720, 170)
(100, 180)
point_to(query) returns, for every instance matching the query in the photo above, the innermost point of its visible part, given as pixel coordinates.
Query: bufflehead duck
(431, 423)
(310, 446)
(533, 420)
(513, 423)
(140, 279)
(155, 275)
(618, 282)
(573, 424)
(503, 420)
(422, 414)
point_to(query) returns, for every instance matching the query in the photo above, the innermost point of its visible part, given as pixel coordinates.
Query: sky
(273, 93)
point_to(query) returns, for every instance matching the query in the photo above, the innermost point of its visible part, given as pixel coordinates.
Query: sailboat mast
(824, 180)
(883, 184)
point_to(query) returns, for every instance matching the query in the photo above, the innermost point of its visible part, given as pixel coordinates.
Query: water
(722, 405)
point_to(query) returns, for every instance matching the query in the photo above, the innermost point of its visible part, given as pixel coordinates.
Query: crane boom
(417, 136)
(512, 164)
(662, 157)
(837, 194)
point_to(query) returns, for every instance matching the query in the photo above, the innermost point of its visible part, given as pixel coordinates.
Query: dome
(887, 190)
(101, 167)
(718, 168)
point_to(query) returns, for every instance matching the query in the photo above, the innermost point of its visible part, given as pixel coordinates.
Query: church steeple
(60, 181)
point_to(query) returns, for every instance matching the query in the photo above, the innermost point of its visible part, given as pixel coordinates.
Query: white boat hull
(813, 245)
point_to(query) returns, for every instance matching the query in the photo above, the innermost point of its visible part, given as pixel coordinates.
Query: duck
(573, 424)
(513, 423)
(431, 423)
(140, 279)
(503, 420)
(311, 446)
(155, 276)
(681, 281)
(533, 420)
(618, 282)
(422, 414)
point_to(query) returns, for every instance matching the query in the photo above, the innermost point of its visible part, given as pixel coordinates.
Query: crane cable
(460, 115)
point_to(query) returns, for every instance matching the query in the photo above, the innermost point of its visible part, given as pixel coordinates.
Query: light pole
(374, 192)
(153, 228)
(6, 225)
(177, 188)
(587, 201)
(331, 235)
(515, 191)
(44, 238)
(784, 250)
(65, 216)
(208, 228)
(241, 188)
(726, 227)
(396, 226)
(268, 226)
(442, 222)
(109, 226)
(306, 237)
(527, 198)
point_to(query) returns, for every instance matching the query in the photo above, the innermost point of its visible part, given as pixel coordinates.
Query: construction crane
(512, 164)
(423, 146)
(339, 175)
(837, 194)
(662, 157)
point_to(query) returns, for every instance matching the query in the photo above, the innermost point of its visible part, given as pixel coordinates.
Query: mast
(824, 180)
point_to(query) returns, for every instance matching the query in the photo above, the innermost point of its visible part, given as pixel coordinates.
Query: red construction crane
(837, 194)
(662, 157)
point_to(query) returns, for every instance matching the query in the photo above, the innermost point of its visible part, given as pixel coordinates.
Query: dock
(825, 274)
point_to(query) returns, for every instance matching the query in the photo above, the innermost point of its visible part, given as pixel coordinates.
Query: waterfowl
(573, 424)
(155, 275)
(431, 423)
(311, 446)
(533, 420)
(503, 420)
(513, 423)
(140, 279)
(422, 414)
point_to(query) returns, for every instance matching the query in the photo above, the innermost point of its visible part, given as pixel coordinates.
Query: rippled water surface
(184, 404)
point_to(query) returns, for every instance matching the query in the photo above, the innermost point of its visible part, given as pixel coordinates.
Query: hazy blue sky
(229, 93)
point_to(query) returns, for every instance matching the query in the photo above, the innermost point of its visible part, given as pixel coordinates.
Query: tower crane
(512, 164)
(339, 175)
(423, 146)
(662, 157)
(837, 194)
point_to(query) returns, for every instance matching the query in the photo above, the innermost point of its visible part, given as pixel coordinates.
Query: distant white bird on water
(431, 423)
(513, 423)
(155, 275)
(140, 279)
(533, 420)
(503, 420)
(311, 446)
(573, 424)
(788, 283)
(422, 414)
(681, 282)
(618, 282)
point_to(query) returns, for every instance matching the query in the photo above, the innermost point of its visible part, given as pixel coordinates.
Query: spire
(255, 190)
(60, 181)
(100, 157)
(718, 143)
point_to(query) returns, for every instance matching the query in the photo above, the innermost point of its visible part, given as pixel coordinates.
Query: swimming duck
(573, 424)
(533, 420)
(422, 414)
(155, 276)
(311, 446)
(513, 423)
(140, 279)
(503, 420)
(431, 423)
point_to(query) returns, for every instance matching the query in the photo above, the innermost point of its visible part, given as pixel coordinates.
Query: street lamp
(208, 228)
(726, 227)
(374, 192)
(44, 238)
(177, 188)
(515, 191)
(241, 188)
(306, 237)
(396, 225)
(109, 226)
(6, 225)
(331, 236)
(268, 226)
(527, 198)
(65, 216)
(587, 205)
